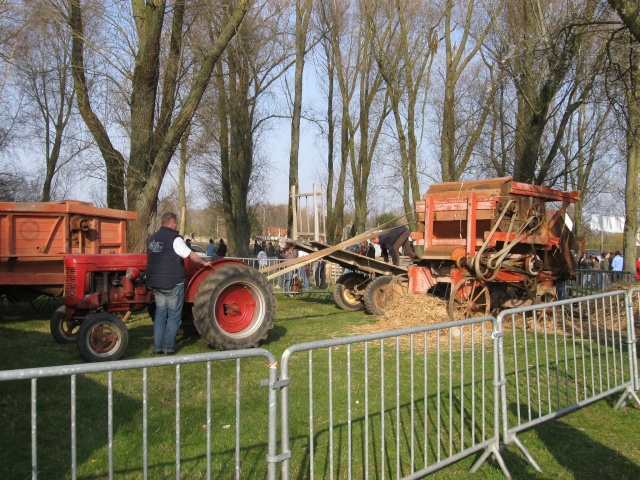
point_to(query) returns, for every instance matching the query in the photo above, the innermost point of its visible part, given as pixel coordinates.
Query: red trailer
(35, 238)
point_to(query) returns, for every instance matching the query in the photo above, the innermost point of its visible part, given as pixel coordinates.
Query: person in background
(605, 266)
(257, 248)
(188, 242)
(262, 259)
(271, 251)
(585, 262)
(211, 248)
(320, 275)
(638, 269)
(166, 276)
(222, 248)
(288, 277)
(392, 240)
(302, 272)
(371, 251)
(616, 265)
(280, 253)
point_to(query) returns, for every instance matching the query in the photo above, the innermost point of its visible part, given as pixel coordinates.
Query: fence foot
(491, 450)
(625, 396)
(526, 454)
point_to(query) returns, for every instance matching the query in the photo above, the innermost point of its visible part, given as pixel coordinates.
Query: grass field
(593, 443)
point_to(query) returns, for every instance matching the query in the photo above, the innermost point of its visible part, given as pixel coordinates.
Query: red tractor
(231, 304)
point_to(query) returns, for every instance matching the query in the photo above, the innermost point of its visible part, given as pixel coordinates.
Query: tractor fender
(196, 277)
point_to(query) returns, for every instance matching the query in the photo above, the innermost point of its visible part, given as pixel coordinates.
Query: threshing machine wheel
(63, 330)
(234, 308)
(469, 298)
(102, 337)
(347, 291)
(381, 290)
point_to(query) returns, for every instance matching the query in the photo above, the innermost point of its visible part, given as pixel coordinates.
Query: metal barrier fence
(558, 357)
(633, 301)
(590, 282)
(90, 395)
(425, 397)
(331, 272)
(400, 403)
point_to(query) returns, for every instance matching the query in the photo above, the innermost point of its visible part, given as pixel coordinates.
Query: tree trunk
(303, 14)
(151, 148)
(632, 204)
(182, 175)
(114, 161)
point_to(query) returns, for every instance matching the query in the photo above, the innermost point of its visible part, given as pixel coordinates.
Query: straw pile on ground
(410, 311)
(418, 310)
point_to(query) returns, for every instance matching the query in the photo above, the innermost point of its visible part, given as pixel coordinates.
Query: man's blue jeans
(168, 318)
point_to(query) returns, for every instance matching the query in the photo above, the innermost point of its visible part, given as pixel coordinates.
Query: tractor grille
(70, 282)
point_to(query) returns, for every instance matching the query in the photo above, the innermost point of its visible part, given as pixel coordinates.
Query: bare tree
(544, 41)
(254, 62)
(624, 93)
(333, 20)
(303, 17)
(156, 125)
(405, 43)
(459, 55)
(629, 12)
(14, 21)
(371, 112)
(43, 61)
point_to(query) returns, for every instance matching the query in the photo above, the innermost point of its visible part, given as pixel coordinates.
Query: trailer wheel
(63, 330)
(469, 298)
(234, 308)
(346, 291)
(102, 337)
(381, 290)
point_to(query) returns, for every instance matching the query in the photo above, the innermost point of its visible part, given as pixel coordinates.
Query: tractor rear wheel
(234, 308)
(63, 330)
(102, 337)
(347, 291)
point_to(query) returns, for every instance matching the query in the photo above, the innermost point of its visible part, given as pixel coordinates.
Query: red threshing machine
(493, 244)
(488, 244)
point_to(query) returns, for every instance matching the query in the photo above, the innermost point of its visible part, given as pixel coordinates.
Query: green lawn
(595, 442)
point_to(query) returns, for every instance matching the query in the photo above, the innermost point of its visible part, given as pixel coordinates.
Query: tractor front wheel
(234, 308)
(102, 337)
(63, 330)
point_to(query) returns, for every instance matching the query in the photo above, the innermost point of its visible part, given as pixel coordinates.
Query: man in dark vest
(392, 240)
(166, 276)
(222, 248)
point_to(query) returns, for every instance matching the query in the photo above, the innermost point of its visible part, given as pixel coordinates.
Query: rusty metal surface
(35, 237)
